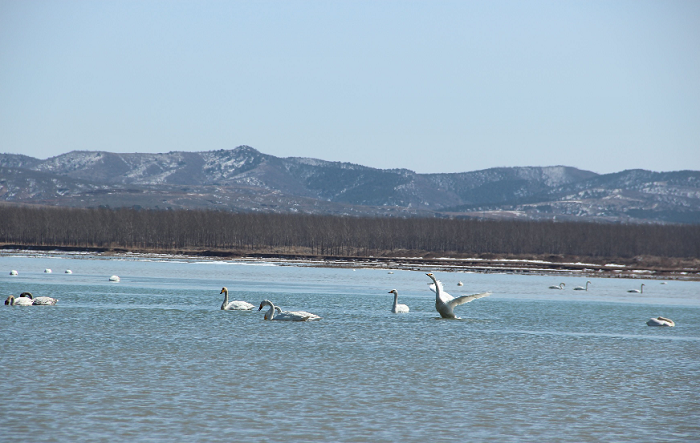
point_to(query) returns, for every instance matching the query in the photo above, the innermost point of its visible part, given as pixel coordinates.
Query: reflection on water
(152, 358)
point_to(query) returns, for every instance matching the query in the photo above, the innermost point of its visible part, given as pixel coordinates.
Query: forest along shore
(645, 267)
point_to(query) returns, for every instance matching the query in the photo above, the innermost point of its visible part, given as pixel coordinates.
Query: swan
(398, 308)
(660, 321)
(275, 313)
(638, 291)
(68, 271)
(581, 288)
(445, 303)
(47, 271)
(13, 272)
(19, 301)
(459, 283)
(114, 278)
(561, 286)
(235, 305)
(39, 300)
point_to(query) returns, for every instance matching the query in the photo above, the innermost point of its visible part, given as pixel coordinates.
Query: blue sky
(445, 86)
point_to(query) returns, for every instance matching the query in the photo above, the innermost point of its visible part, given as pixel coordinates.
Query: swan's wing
(443, 294)
(44, 301)
(239, 305)
(296, 316)
(466, 299)
(402, 308)
(24, 301)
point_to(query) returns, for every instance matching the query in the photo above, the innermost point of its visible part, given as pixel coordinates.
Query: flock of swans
(444, 302)
(658, 321)
(560, 286)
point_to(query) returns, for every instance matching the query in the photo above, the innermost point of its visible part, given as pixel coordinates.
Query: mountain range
(244, 179)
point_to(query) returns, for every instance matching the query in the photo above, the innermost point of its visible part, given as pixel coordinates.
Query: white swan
(13, 272)
(561, 286)
(398, 308)
(638, 291)
(114, 278)
(39, 300)
(660, 321)
(47, 271)
(68, 271)
(445, 303)
(275, 313)
(581, 288)
(19, 301)
(459, 283)
(236, 305)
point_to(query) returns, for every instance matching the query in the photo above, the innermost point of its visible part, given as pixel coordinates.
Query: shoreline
(638, 268)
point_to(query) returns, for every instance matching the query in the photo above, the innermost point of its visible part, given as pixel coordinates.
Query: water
(153, 358)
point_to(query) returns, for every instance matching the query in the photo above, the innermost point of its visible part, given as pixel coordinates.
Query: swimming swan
(445, 303)
(581, 288)
(275, 313)
(235, 305)
(39, 300)
(19, 301)
(398, 308)
(561, 286)
(660, 321)
(638, 291)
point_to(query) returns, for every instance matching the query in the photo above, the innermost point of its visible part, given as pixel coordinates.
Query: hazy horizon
(443, 87)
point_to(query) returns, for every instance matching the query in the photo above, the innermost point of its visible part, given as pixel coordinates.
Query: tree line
(334, 235)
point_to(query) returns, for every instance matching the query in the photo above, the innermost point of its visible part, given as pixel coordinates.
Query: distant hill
(243, 179)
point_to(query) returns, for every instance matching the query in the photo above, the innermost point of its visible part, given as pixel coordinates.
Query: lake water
(153, 358)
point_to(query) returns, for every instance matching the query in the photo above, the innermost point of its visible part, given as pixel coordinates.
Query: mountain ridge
(244, 179)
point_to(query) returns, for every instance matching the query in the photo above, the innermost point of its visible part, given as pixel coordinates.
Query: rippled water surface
(153, 358)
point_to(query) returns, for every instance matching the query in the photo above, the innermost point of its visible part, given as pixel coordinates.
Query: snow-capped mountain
(243, 179)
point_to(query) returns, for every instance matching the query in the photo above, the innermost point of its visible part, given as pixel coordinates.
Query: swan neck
(396, 299)
(223, 305)
(438, 293)
(270, 314)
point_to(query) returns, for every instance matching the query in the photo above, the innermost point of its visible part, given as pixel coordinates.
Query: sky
(431, 86)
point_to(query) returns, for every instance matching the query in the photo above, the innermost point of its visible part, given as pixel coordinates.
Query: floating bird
(581, 288)
(445, 303)
(235, 305)
(561, 286)
(398, 308)
(13, 272)
(638, 291)
(660, 321)
(19, 301)
(47, 271)
(68, 271)
(114, 278)
(275, 313)
(39, 300)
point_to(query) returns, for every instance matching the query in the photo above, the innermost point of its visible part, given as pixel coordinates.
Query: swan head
(10, 300)
(430, 274)
(393, 291)
(265, 303)
(223, 290)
